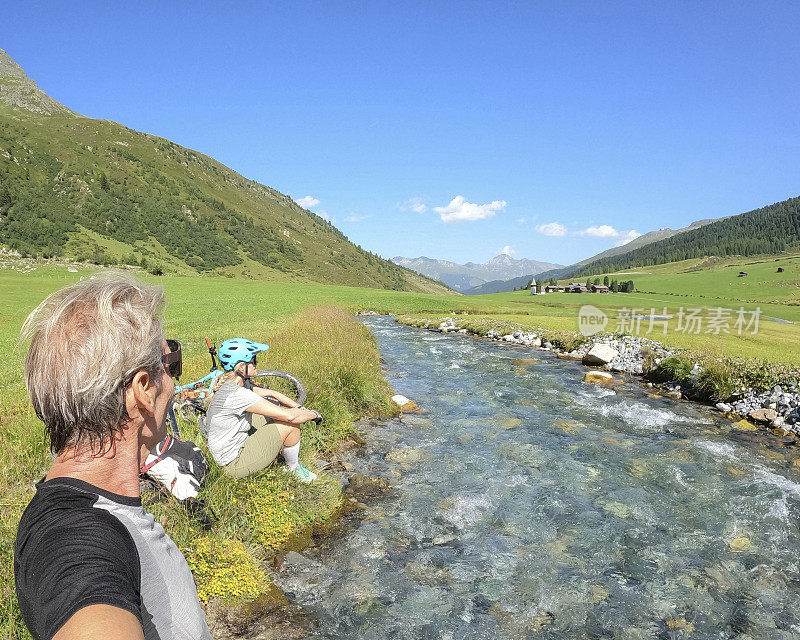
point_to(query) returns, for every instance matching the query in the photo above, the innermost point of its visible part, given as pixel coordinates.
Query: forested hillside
(95, 190)
(769, 230)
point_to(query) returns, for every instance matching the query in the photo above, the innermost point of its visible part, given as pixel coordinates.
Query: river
(531, 504)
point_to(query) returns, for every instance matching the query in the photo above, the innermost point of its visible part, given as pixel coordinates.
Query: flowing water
(530, 504)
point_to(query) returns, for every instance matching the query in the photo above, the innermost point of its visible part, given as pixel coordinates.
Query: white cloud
(460, 210)
(601, 231)
(626, 236)
(416, 205)
(507, 250)
(355, 218)
(607, 231)
(552, 229)
(521, 221)
(324, 215)
(307, 202)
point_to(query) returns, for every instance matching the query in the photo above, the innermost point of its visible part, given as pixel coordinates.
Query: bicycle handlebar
(212, 350)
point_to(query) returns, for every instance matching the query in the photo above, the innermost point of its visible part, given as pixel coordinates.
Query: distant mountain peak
(471, 274)
(18, 90)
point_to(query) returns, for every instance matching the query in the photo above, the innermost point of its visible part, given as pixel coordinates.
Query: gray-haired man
(89, 562)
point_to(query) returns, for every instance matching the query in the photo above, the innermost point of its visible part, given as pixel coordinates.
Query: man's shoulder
(70, 554)
(65, 511)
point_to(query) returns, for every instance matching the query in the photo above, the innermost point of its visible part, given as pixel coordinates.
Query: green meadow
(312, 334)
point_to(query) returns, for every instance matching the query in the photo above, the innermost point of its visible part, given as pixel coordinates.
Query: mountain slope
(769, 230)
(466, 276)
(636, 243)
(93, 189)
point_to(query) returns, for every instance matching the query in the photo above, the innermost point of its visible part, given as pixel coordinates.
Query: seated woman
(246, 431)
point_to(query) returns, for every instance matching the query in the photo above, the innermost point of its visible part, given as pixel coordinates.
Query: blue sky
(549, 129)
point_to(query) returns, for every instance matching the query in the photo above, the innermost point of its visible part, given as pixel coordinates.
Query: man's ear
(144, 392)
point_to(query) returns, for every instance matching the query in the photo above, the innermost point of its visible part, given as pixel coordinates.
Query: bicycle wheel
(281, 381)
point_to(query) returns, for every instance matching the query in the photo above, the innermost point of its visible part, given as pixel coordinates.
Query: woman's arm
(281, 414)
(285, 400)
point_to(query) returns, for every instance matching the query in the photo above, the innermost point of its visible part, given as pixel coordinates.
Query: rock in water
(511, 423)
(363, 487)
(600, 354)
(739, 545)
(406, 457)
(409, 406)
(763, 415)
(599, 377)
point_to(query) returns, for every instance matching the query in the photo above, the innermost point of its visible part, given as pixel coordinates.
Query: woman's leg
(258, 452)
(290, 437)
(290, 434)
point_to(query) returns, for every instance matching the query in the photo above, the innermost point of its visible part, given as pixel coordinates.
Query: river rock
(777, 422)
(739, 545)
(599, 355)
(406, 457)
(428, 575)
(363, 487)
(406, 405)
(598, 377)
(763, 415)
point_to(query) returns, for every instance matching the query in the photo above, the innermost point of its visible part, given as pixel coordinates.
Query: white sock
(291, 455)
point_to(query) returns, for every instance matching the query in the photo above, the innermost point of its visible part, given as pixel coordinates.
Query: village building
(554, 288)
(600, 288)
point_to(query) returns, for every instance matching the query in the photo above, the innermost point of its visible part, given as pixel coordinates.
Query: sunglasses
(173, 361)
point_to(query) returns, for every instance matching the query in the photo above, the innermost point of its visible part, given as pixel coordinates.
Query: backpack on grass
(178, 465)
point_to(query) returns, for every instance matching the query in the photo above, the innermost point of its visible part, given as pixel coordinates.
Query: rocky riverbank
(696, 378)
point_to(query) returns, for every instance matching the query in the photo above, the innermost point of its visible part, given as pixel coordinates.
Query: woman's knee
(289, 434)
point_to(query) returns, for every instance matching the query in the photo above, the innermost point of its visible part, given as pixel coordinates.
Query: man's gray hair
(87, 342)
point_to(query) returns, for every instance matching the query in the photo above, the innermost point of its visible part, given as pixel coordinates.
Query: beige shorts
(258, 451)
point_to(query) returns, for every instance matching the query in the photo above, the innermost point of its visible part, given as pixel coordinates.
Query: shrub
(672, 368)
(715, 382)
(567, 340)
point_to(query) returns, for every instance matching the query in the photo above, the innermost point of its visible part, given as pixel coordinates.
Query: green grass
(715, 278)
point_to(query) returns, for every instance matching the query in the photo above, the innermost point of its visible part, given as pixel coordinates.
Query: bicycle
(190, 400)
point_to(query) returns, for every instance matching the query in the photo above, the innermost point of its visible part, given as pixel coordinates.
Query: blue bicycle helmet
(236, 350)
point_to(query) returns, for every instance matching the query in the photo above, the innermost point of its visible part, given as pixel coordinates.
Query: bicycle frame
(210, 378)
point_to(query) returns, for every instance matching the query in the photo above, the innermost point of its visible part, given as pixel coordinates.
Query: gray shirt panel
(170, 608)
